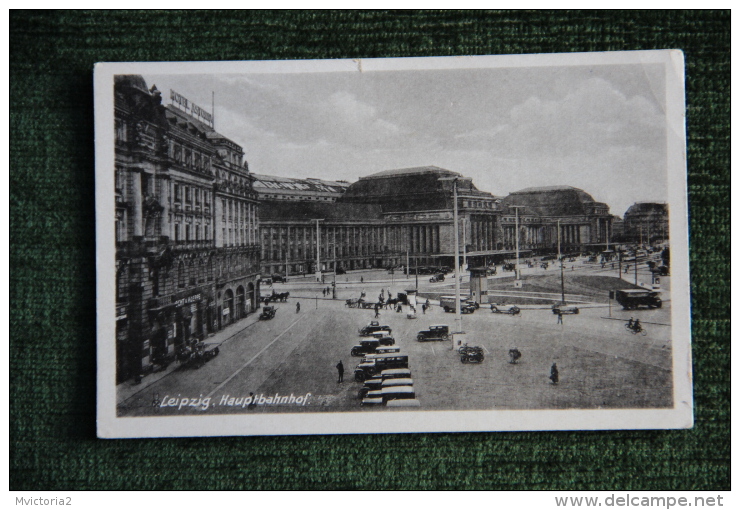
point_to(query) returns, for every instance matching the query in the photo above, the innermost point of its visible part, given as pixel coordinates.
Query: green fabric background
(52, 258)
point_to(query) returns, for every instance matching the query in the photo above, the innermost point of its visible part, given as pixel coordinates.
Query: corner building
(187, 255)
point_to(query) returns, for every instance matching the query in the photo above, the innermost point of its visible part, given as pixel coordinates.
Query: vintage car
(437, 278)
(564, 309)
(466, 305)
(384, 337)
(377, 383)
(268, 312)
(372, 327)
(278, 278)
(631, 299)
(372, 346)
(391, 393)
(435, 332)
(473, 303)
(367, 346)
(387, 349)
(512, 310)
(376, 363)
(196, 354)
(657, 270)
(395, 373)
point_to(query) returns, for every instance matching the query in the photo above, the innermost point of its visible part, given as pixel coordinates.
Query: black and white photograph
(392, 245)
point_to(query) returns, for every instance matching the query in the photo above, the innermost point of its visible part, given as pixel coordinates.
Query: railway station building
(388, 219)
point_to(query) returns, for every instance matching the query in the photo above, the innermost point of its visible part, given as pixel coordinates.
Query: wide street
(601, 364)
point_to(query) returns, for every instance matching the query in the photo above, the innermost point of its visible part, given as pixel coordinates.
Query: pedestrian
(377, 310)
(424, 308)
(560, 317)
(323, 292)
(340, 371)
(362, 279)
(514, 355)
(297, 308)
(399, 308)
(554, 374)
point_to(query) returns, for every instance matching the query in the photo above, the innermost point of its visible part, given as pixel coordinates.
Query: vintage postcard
(392, 245)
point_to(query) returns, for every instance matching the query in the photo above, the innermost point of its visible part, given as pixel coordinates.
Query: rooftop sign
(192, 109)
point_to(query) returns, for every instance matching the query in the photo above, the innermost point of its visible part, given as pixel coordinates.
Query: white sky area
(598, 128)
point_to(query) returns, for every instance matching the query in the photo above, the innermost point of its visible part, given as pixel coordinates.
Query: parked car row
(383, 370)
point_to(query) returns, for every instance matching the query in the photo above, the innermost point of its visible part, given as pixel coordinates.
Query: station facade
(186, 227)
(646, 222)
(405, 216)
(389, 219)
(545, 213)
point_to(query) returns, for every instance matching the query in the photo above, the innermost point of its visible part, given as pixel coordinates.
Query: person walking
(554, 374)
(297, 308)
(514, 355)
(424, 308)
(560, 317)
(377, 310)
(362, 279)
(340, 371)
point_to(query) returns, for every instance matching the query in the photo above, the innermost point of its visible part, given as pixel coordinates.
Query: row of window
(191, 195)
(300, 197)
(481, 204)
(189, 158)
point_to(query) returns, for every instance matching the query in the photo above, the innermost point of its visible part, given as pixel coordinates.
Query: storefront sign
(190, 299)
(226, 311)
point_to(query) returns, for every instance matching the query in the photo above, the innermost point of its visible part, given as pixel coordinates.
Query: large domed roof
(551, 201)
(406, 189)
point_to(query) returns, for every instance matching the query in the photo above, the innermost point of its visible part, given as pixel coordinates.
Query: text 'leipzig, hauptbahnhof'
(196, 229)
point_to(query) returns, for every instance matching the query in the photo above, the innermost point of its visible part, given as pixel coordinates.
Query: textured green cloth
(52, 258)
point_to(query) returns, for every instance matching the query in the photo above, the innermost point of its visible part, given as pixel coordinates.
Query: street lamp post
(458, 314)
(562, 277)
(516, 223)
(318, 250)
(456, 234)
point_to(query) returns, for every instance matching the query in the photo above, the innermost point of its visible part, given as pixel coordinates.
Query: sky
(598, 128)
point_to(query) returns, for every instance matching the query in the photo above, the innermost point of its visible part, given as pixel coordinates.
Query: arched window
(191, 273)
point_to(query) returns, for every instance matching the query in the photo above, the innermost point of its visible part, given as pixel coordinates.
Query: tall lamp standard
(318, 250)
(458, 314)
(516, 264)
